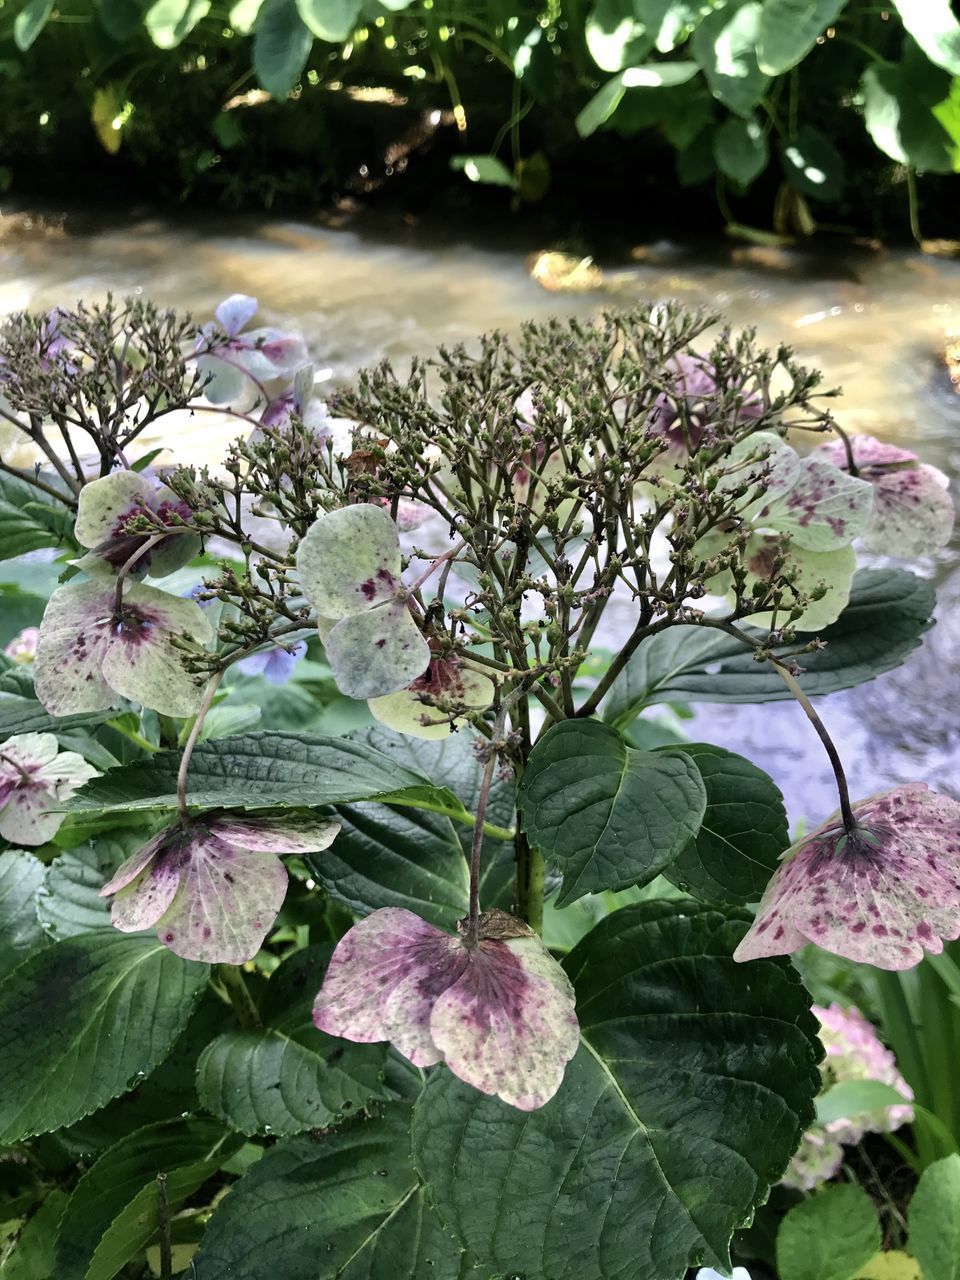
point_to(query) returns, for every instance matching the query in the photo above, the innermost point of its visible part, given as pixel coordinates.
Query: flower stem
(189, 745)
(248, 1015)
(529, 882)
(476, 848)
(850, 824)
(163, 1213)
(128, 564)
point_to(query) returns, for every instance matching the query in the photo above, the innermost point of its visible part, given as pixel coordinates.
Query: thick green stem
(231, 978)
(529, 883)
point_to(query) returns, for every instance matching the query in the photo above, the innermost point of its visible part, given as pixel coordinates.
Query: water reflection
(876, 322)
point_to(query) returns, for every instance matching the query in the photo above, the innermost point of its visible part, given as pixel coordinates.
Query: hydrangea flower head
(881, 895)
(816, 1160)
(855, 1052)
(349, 565)
(89, 652)
(213, 888)
(231, 354)
(499, 1013)
(23, 647)
(912, 508)
(36, 777)
(112, 516)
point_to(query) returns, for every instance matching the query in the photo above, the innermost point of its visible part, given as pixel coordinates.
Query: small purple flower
(881, 896)
(499, 1013)
(36, 777)
(912, 508)
(276, 665)
(212, 889)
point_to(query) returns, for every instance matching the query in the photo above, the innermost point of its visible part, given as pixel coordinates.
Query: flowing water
(876, 322)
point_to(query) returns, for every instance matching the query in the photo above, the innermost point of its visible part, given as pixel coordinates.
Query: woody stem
(189, 745)
(476, 848)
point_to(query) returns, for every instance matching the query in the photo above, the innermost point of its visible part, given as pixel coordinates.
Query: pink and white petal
(143, 902)
(378, 652)
(508, 1026)
(141, 663)
(825, 509)
(349, 560)
(28, 817)
(774, 464)
(383, 981)
(65, 773)
(867, 451)
(75, 634)
(29, 751)
(104, 505)
(884, 901)
(912, 513)
(235, 312)
(227, 902)
(296, 834)
(128, 871)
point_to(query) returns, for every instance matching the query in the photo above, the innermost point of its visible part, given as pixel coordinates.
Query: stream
(877, 322)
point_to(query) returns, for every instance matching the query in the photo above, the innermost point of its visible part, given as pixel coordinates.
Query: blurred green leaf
(30, 21)
(331, 20)
(934, 26)
(724, 45)
(740, 150)
(281, 46)
(484, 169)
(789, 29)
(813, 164)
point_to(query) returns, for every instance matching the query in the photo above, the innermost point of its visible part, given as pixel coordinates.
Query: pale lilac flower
(90, 653)
(499, 1013)
(23, 647)
(229, 357)
(275, 665)
(106, 512)
(912, 508)
(36, 777)
(882, 895)
(213, 888)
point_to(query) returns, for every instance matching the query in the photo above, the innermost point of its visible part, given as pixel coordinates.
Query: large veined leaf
(788, 30)
(608, 815)
(258, 770)
(934, 26)
(287, 1076)
(331, 20)
(889, 611)
(69, 904)
(32, 1256)
(108, 1221)
(344, 1206)
(898, 110)
(828, 1237)
(81, 1021)
(389, 857)
(743, 833)
(281, 46)
(683, 1105)
(934, 1237)
(21, 874)
(171, 21)
(27, 715)
(28, 519)
(724, 45)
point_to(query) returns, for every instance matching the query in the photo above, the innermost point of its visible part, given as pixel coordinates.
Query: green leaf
(244, 14)
(743, 833)
(813, 164)
(828, 1237)
(695, 1078)
(32, 1256)
(81, 1020)
(28, 519)
(484, 169)
(171, 21)
(724, 44)
(26, 715)
(608, 815)
(600, 107)
(788, 30)
(28, 24)
(933, 25)
(289, 1076)
(898, 104)
(853, 1097)
(69, 904)
(889, 611)
(281, 46)
(740, 149)
(344, 1206)
(120, 19)
(654, 75)
(108, 1220)
(947, 114)
(934, 1222)
(615, 36)
(21, 875)
(331, 20)
(258, 770)
(18, 609)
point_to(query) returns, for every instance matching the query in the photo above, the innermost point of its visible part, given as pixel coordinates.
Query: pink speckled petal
(349, 561)
(128, 871)
(298, 834)
(74, 638)
(105, 504)
(227, 901)
(143, 902)
(824, 510)
(25, 818)
(884, 902)
(384, 979)
(508, 1026)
